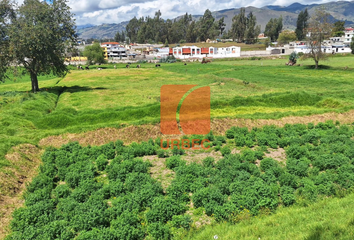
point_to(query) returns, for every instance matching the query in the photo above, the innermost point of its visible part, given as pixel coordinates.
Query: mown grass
(88, 100)
(330, 218)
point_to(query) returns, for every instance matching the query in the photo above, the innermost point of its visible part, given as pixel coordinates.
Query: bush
(101, 162)
(248, 155)
(208, 162)
(298, 167)
(174, 161)
(225, 151)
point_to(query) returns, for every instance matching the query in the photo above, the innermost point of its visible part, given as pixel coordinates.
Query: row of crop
(106, 192)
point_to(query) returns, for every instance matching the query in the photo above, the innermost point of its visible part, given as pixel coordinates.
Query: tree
(273, 28)
(40, 36)
(94, 54)
(301, 24)
(7, 13)
(207, 27)
(119, 37)
(132, 29)
(352, 45)
(286, 37)
(251, 29)
(239, 24)
(319, 29)
(221, 25)
(338, 29)
(192, 32)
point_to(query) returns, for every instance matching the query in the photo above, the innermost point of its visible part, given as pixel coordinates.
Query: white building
(113, 49)
(186, 52)
(348, 35)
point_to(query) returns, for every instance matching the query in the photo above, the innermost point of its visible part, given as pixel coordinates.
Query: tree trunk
(316, 61)
(34, 81)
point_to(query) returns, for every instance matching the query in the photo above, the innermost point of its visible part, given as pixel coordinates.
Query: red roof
(349, 29)
(105, 43)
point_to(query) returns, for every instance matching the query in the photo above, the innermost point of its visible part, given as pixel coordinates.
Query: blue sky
(115, 11)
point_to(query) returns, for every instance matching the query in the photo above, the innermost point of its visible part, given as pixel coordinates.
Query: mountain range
(341, 10)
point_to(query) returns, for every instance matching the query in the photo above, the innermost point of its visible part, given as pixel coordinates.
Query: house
(348, 35)
(186, 52)
(113, 50)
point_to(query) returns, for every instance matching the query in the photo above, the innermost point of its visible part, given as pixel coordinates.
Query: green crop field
(252, 91)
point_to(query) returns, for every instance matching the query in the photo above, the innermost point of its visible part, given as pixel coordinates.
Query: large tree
(301, 24)
(94, 54)
(7, 14)
(274, 28)
(239, 24)
(352, 45)
(221, 25)
(40, 36)
(319, 28)
(252, 31)
(208, 28)
(286, 37)
(338, 29)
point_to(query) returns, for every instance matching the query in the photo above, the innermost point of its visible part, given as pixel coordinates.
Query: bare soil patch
(159, 171)
(198, 157)
(277, 154)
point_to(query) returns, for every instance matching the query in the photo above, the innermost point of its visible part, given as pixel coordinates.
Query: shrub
(159, 231)
(101, 162)
(163, 210)
(248, 155)
(287, 195)
(225, 151)
(174, 161)
(298, 167)
(162, 153)
(208, 162)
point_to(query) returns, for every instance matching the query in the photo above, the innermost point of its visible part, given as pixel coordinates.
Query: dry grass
(141, 133)
(24, 160)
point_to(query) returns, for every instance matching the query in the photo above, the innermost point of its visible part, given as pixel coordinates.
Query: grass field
(88, 100)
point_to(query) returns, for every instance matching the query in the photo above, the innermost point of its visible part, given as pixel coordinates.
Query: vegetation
(187, 30)
(114, 183)
(274, 28)
(94, 54)
(244, 28)
(352, 45)
(330, 218)
(302, 24)
(39, 36)
(286, 36)
(338, 29)
(120, 97)
(319, 29)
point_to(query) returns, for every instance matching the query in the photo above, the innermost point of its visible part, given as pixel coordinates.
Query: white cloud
(115, 11)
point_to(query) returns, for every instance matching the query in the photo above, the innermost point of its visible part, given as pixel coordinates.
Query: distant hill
(341, 10)
(101, 31)
(84, 26)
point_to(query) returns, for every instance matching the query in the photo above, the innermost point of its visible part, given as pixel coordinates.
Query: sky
(115, 11)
